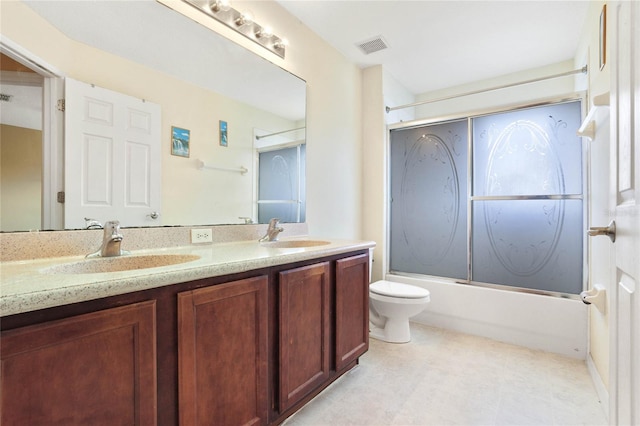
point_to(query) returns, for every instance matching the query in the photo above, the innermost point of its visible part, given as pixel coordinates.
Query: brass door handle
(609, 231)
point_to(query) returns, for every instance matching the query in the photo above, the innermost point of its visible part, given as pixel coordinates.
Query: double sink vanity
(226, 333)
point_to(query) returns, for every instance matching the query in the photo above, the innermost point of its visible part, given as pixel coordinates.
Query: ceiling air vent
(372, 45)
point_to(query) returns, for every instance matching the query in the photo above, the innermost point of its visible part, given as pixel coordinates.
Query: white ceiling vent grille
(372, 45)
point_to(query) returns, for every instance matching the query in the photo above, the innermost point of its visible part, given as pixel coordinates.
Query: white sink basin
(295, 243)
(120, 263)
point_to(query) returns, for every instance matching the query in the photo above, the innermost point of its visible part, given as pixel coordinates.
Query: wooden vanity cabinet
(249, 348)
(304, 330)
(93, 369)
(222, 354)
(322, 327)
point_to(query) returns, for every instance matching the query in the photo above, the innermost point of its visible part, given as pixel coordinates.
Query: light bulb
(281, 44)
(244, 19)
(265, 32)
(218, 5)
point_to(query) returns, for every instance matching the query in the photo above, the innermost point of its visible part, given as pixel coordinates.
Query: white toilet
(391, 306)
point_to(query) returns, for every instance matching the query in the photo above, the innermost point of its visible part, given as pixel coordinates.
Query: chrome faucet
(273, 231)
(111, 240)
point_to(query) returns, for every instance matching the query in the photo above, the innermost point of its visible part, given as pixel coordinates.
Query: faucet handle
(274, 222)
(112, 227)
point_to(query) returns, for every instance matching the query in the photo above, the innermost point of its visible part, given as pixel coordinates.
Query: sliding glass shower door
(527, 204)
(429, 200)
(518, 223)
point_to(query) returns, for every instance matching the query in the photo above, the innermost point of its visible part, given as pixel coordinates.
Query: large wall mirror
(202, 82)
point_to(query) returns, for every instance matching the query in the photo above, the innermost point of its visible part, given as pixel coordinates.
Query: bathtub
(552, 324)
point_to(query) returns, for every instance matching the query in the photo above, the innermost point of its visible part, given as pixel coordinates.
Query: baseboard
(601, 389)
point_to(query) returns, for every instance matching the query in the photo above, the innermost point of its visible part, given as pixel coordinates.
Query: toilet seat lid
(393, 289)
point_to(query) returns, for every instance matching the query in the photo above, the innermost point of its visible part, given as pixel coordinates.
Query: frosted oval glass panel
(533, 244)
(428, 173)
(534, 151)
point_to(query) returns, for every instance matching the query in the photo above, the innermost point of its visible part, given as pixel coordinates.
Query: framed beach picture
(224, 135)
(180, 141)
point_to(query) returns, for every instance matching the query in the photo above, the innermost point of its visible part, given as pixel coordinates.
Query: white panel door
(625, 206)
(113, 157)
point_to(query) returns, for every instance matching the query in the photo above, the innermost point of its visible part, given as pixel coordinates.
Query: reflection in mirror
(281, 184)
(20, 145)
(148, 51)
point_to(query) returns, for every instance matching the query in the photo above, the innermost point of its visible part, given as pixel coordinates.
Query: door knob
(154, 215)
(609, 231)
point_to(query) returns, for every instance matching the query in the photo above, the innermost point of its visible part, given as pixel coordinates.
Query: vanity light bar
(242, 23)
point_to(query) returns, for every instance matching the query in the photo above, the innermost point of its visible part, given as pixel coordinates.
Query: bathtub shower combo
(493, 200)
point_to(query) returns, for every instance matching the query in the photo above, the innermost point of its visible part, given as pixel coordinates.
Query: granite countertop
(27, 285)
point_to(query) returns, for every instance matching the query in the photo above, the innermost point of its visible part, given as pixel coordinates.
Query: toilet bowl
(391, 306)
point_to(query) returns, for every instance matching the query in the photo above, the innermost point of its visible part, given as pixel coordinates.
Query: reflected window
(281, 184)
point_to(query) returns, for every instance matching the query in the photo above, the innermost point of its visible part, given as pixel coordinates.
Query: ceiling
(439, 44)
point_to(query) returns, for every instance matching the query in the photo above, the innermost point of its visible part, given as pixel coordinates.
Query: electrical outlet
(199, 236)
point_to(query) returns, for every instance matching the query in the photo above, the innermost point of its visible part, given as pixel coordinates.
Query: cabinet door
(304, 331)
(222, 354)
(92, 369)
(352, 309)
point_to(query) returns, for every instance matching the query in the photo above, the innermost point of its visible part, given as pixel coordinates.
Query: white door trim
(52, 131)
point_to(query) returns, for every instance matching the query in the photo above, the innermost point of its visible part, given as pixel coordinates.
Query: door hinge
(61, 197)
(61, 105)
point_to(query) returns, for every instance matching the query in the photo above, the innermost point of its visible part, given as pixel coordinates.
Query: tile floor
(447, 378)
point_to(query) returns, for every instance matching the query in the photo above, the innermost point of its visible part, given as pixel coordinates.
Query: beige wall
(374, 162)
(20, 178)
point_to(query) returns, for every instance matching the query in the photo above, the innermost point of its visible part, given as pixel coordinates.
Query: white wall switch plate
(199, 236)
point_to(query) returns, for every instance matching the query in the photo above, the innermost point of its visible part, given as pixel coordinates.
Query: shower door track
(526, 197)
